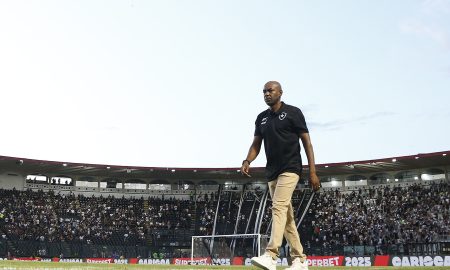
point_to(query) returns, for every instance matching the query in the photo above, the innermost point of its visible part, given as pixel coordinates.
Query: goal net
(226, 249)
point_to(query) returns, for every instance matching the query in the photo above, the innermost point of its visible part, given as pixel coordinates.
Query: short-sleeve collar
(280, 110)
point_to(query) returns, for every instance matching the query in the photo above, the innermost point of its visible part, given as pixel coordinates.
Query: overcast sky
(179, 83)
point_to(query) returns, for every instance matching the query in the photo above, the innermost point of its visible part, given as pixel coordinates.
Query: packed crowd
(375, 216)
(50, 217)
(380, 216)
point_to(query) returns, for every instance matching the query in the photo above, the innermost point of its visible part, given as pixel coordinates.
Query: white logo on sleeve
(264, 120)
(282, 115)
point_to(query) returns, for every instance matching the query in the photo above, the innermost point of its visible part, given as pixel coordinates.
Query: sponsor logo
(282, 262)
(282, 116)
(421, 261)
(27, 259)
(358, 261)
(196, 261)
(3, 259)
(202, 261)
(121, 261)
(99, 260)
(154, 261)
(71, 260)
(264, 120)
(221, 261)
(324, 260)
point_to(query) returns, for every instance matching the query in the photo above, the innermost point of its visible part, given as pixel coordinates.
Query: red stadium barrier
(358, 261)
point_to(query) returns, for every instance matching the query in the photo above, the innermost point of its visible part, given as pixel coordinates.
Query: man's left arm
(306, 141)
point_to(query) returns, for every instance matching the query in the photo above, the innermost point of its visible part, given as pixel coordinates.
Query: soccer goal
(221, 249)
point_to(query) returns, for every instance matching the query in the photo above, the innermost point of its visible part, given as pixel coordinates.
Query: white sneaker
(265, 262)
(298, 265)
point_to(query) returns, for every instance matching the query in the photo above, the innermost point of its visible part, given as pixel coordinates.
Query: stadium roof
(26, 166)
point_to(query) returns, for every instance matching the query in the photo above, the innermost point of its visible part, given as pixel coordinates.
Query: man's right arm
(252, 154)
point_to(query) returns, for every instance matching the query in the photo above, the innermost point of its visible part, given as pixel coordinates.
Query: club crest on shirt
(264, 120)
(282, 115)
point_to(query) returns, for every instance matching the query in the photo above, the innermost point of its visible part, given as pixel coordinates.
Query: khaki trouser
(283, 220)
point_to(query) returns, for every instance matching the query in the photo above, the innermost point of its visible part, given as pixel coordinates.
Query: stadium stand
(51, 220)
(379, 217)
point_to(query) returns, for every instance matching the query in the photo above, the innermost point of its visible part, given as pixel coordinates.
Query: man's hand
(245, 168)
(315, 182)
(252, 154)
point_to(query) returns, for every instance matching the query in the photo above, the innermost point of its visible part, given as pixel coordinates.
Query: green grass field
(12, 265)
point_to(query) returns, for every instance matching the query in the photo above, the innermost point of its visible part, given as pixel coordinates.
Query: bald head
(272, 93)
(274, 85)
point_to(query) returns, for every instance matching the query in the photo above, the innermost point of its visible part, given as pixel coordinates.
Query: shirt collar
(280, 110)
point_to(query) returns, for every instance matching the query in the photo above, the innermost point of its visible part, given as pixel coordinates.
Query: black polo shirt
(280, 132)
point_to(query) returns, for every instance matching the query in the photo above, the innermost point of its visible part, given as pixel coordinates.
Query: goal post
(216, 249)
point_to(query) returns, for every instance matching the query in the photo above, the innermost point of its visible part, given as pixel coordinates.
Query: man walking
(280, 127)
